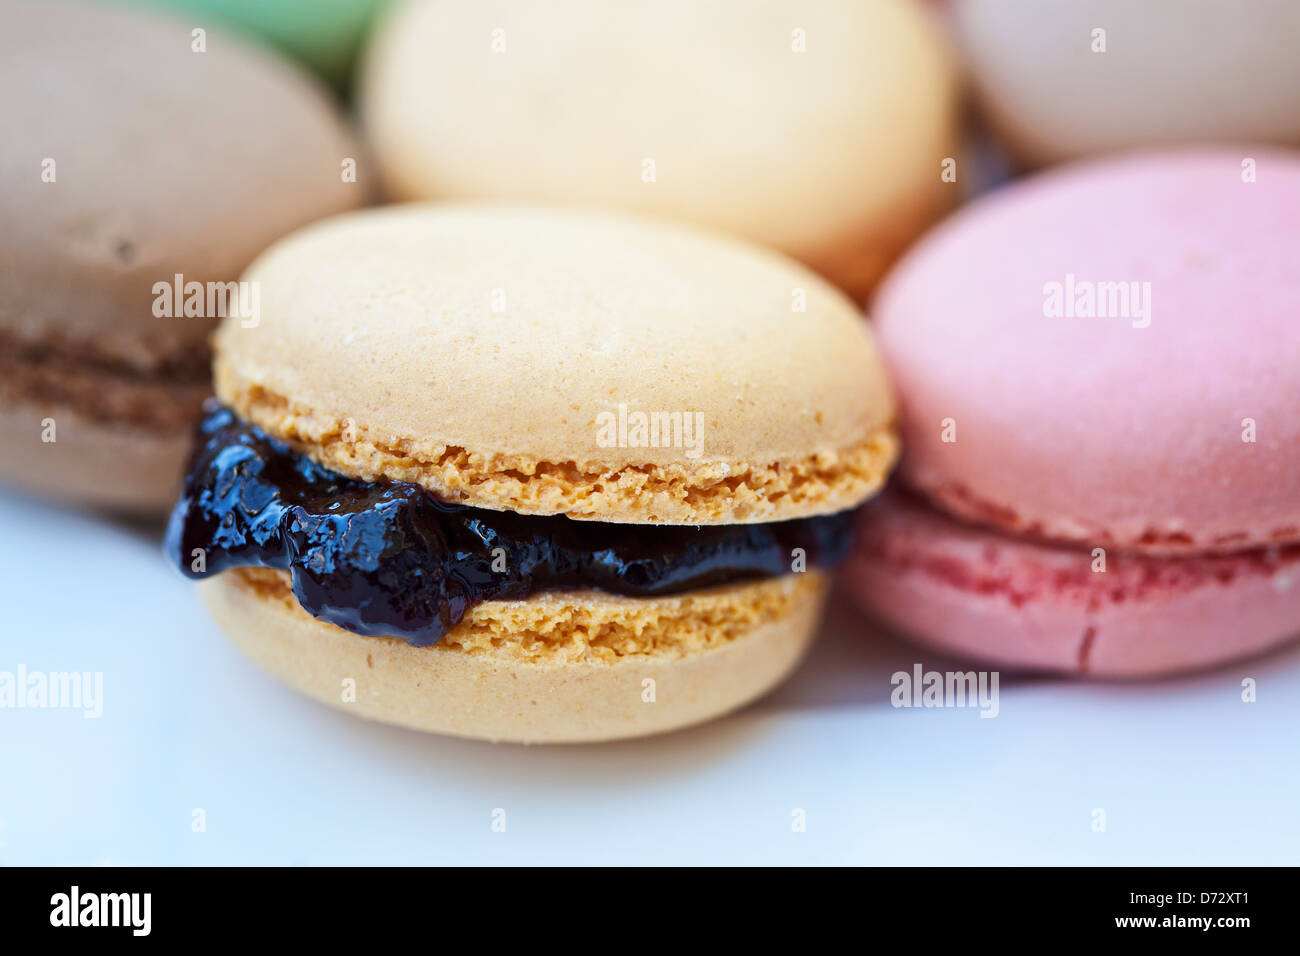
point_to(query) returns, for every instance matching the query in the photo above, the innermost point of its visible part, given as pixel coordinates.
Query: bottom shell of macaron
(118, 468)
(556, 667)
(84, 435)
(1033, 606)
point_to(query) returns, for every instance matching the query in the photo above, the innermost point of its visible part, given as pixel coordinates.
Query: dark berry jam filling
(389, 559)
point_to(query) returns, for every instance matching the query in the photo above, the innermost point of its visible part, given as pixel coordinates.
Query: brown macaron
(140, 157)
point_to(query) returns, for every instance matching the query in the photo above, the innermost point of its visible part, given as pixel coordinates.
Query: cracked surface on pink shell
(1030, 605)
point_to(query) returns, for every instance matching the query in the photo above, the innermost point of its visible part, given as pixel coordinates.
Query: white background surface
(1186, 772)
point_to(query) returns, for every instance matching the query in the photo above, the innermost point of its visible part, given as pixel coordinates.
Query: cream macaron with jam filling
(819, 129)
(135, 162)
(531, 474)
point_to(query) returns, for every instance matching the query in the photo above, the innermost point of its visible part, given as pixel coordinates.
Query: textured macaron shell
(164, 161)
(1129, 430)
(1173, 71)
(1013, 602)
(425, 342)
(818, 129)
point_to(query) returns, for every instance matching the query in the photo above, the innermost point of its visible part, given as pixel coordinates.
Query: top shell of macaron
(1109, 353)
(554, 361)
(1065, 80)
(135, 150)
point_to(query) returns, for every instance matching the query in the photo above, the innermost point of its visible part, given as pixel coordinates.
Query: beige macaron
(820, 129)
(476, 350)
(136, 150)
(1060, 80)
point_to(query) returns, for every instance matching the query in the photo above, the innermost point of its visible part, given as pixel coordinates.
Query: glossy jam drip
(389, 559)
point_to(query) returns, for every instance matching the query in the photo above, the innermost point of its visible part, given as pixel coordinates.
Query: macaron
(1098, 370)
(821, 130)
(323, 34)
(1026, 604)
(531, 474)
(136, 169)
(1064, 80)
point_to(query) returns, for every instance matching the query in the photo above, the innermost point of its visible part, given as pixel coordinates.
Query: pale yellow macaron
(820, 129)
(531, 474)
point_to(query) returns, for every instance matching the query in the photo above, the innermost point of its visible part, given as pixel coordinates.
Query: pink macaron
(1103, 359)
